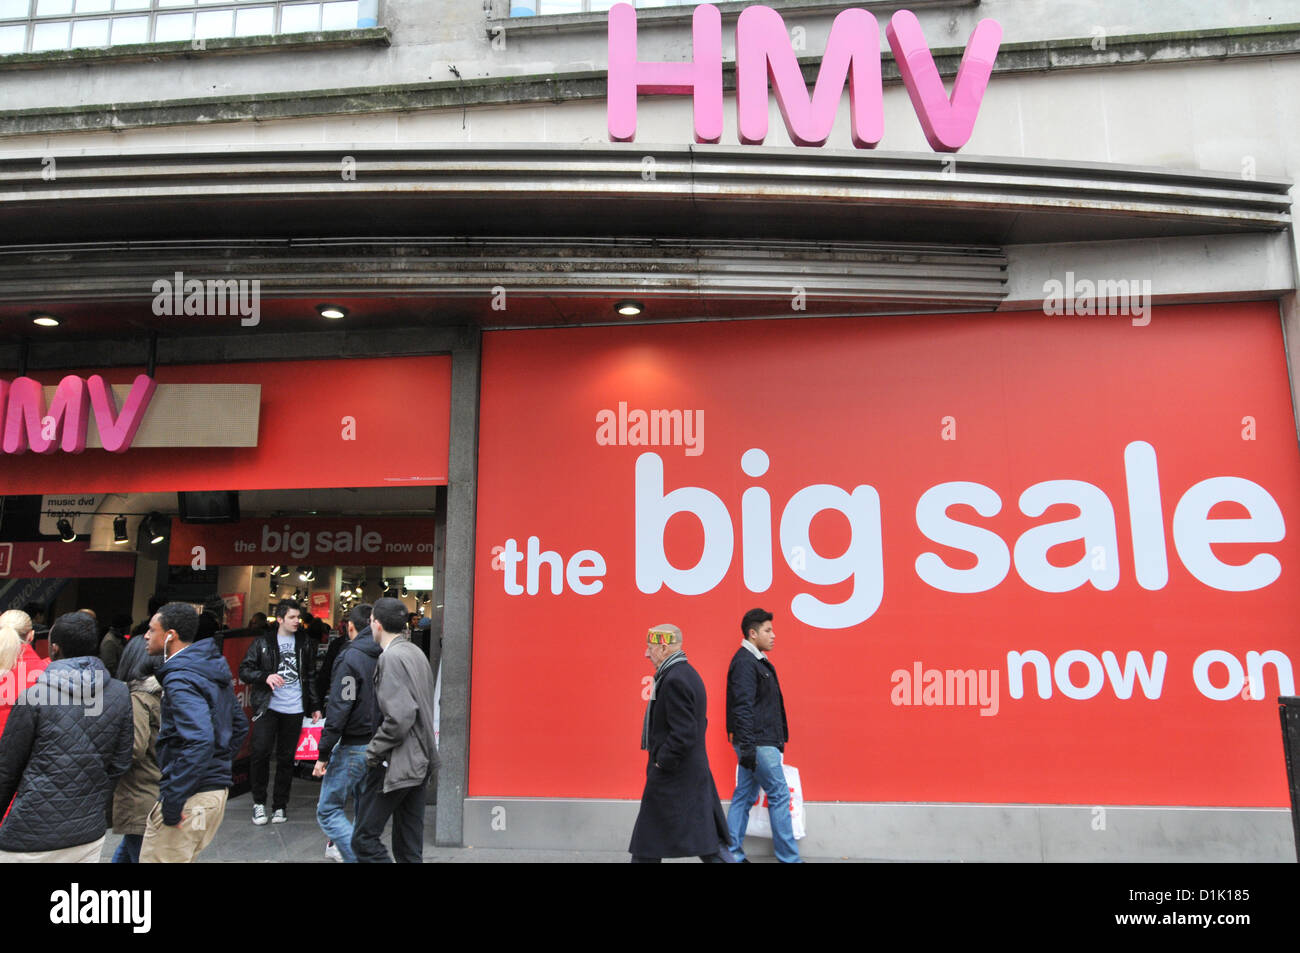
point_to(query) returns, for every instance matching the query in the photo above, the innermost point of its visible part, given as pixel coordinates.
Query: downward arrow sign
(40, 563)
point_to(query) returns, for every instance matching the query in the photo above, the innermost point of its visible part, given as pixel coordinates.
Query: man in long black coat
(681, 815)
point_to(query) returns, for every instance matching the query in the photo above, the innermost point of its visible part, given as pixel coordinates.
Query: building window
(37, 26)
(534, 8)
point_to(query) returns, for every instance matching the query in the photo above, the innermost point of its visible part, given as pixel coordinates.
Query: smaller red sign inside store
(350, 541)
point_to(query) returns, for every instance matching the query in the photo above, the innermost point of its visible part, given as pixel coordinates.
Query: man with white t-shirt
(280, 670)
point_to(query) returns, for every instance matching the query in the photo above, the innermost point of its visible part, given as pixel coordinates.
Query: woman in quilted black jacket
(67, 741)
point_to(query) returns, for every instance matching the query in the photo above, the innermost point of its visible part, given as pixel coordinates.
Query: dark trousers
(405, 806)
(274, 732)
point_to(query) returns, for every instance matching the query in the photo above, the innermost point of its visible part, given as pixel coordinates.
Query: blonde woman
(19, 665)
(11, 645)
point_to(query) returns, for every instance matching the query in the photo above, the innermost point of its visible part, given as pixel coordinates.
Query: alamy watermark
(83, 690)
(80, 907)
(180, 296)
(1104, 296)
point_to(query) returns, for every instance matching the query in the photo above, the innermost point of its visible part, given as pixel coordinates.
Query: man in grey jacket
(403, 754)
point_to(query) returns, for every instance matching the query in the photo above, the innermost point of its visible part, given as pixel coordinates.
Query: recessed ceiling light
(332, 311)
(45, 320)
(629, 308)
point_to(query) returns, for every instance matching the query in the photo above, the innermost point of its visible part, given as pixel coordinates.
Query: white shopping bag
(760, 824)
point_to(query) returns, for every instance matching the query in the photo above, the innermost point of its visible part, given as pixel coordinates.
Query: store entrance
(233, 555)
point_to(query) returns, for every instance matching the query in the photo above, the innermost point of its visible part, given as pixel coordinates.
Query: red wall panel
(558, 679)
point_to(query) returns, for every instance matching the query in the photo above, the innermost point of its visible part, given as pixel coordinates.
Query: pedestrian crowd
(140, 734)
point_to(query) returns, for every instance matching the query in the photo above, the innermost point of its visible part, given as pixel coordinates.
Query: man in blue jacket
(202, 729)
(757, 728)
(351, 717)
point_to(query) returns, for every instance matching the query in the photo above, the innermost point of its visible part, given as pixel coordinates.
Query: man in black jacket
(67, 742)
(680, 814)
(756, 726)
(351, 717)
(279, 669)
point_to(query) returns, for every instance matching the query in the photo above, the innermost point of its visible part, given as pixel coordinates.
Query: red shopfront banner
(1012, 558)
(322, 424)
(359, 541)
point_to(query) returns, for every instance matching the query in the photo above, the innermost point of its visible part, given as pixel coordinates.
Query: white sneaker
(332, 852)
(279, 816)
(259, 814)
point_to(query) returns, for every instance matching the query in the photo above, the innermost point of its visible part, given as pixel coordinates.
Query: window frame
(156, 8)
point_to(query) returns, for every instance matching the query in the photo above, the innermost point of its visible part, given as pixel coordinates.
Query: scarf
(654, 693)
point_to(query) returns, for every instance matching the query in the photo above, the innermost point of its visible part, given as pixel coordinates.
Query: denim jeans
(347, 768)
(128, 851)
(771, 778)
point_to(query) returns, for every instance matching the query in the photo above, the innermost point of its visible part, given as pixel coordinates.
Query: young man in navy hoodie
(351, 717)
(202, 729)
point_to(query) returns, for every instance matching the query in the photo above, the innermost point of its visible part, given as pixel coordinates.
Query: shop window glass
(89, 33)
(43, 25)
(257, 21)
(339, 16)
(214, 23)
(529, 8)
(129, 30)
(173, 26)
(50, 36)
(300, 18)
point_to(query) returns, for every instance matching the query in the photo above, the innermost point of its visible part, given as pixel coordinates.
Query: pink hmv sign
(764, 51)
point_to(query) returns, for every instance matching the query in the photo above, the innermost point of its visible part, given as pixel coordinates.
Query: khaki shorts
(181, 844)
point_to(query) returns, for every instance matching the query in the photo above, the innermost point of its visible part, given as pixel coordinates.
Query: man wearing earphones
(202, 729)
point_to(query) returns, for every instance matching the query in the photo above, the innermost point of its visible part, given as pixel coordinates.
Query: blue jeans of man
(347, 769)
(128, 851)
(770, 776)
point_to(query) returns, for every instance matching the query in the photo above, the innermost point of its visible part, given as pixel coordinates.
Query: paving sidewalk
(299, 840)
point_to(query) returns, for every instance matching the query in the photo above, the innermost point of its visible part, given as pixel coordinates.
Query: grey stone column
(458, 611)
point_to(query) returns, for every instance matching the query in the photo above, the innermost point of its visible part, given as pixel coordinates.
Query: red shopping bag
(309, 741)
